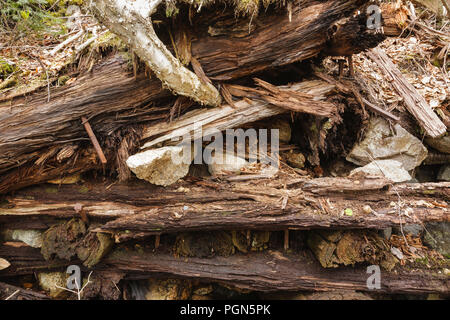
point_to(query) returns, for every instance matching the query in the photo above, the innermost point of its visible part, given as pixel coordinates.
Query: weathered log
(265, 271)
(245, 111)
(29, 124)
(10, 292)
(25, 137)
(274, 271)
(146, 209)
(23, 142)
(30, 173)
(277, 39)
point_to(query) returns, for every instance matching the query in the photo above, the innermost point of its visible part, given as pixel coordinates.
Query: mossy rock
(6, 68)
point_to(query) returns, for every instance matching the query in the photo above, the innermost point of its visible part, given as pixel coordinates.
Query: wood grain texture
(29, 124)
(11, 292)
(143, 208)
(263, 271)
(232, 52)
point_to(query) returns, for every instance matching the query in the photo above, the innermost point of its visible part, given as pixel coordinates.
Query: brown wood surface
(267, 271)
(12, 292)
(142, 208)
(111, 98)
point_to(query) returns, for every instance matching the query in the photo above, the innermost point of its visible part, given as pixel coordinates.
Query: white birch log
(131, 21)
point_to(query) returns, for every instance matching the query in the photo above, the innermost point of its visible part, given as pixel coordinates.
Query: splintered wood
(310, 93)
(414, 102)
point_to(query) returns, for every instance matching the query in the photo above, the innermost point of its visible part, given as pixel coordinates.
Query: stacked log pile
(87, 178)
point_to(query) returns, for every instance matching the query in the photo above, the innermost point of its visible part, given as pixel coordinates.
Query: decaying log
(264, 271)
(222, 52)
(414, 102)
(274, 271)
(275, 39)
(30, 173)
(10, 292)
(395, 18)
(245, 111)
(146, 209)
(22, 141)
(30, 124)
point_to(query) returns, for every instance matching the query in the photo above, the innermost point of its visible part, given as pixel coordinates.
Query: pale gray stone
(226, 164)
(390, 169)
(163, 166)
(33, 238)
(380, 143)
(444, 173)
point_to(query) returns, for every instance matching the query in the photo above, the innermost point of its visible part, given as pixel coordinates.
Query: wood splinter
(94, 140)
(351, 71)
(157, 241)
(286, 239)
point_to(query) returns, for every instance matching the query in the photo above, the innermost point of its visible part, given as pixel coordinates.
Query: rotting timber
(290, 232)
(28, 143)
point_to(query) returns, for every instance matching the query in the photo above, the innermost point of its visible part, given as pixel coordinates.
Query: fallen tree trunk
(273, 271)
(105, 96)
(118, 16)
(244, 111)
(266, 271)
(23, 142)
(146, 209)
(227, 49)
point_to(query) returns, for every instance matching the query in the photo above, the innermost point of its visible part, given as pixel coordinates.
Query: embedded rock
(226, 164)
(390, 169)
(381, 144)
(163, 166)
(444, 173)
(33, 238)
(441, 144)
